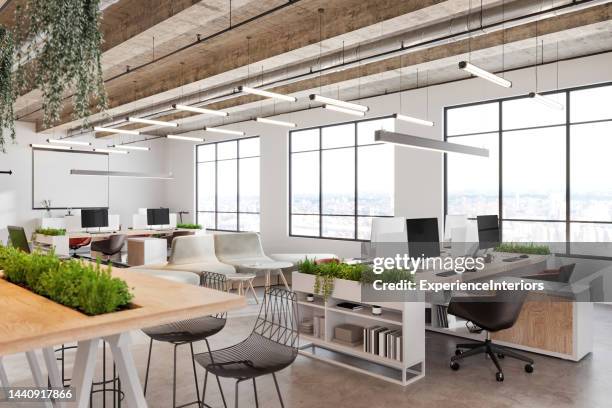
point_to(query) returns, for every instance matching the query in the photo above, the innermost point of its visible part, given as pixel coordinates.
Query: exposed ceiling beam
(290, 28)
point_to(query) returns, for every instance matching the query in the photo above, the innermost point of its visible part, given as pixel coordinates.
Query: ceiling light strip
(151, 122)
(49, 147)
(121, 174)
(130, 147)
(344, 110)
(68, 142)
(224, 131)
(549, 102)
(410, 119)
(484, 74)
(110, 151)
(337, 102)
(428, 144)
(113, 130)
(196, 109)
(276, 122)
(187, 138)
(267, 94)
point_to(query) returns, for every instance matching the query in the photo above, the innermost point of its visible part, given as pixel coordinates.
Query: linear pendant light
(121, 174)
(68, 142)
(189, 138)
(551, 103)
(113, 130)
(344, 110)
(110, 151)
(267, 94)
(195, 109)
(336, 102)
(427, 144)
(130, 147)
(224, 131)
(484, 74)
(51, 147)
(410, 119)
(276, 122)
(151, 122)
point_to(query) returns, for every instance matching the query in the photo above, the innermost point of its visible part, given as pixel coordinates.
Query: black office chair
(562, 274)
(271, 347)
(188, 332)
(492, 313)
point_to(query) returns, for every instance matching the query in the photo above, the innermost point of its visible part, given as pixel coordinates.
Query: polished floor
(308, 383)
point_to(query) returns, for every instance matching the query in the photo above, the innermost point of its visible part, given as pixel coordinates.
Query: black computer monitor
(158, 216)
(423, 237)
(94, 218)
(488, 231)
(18, 239)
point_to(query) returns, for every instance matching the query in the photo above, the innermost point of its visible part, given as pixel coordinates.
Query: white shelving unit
(405, 316)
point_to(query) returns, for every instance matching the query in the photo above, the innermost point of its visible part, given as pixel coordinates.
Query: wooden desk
(31, 322)
(129, 233)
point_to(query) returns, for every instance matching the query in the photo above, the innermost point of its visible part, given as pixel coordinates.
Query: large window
(547, 174)
(227, 185)
(340, 178)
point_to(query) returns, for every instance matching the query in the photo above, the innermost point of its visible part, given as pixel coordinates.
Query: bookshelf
(406, 318)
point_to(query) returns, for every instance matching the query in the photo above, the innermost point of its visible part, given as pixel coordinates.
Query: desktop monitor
(488, 231)
(423, 237)
(453, 221)
(94, 218)
(388, 237)
(158, 216)
(18, 239)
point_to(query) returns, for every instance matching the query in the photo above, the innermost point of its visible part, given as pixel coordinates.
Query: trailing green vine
(7, 91)
(62, 54)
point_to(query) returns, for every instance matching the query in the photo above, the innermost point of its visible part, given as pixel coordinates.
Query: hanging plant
(62, 54)
(7, 93)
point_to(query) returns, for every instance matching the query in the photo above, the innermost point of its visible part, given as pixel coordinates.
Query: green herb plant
(518, 248)
(87, 287)
(7, 91)
(51, 231)
(188, 226)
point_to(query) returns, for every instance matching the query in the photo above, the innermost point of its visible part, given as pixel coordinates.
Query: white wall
(125, 195)
(418, 174)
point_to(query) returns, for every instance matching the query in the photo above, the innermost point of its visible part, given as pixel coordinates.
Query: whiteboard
(51, 179)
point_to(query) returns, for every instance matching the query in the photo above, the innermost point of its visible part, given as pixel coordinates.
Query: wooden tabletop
(129, 232)
(29, 321)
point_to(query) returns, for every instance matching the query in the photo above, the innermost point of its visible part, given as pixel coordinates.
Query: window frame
(356, 216)
(568, 221)
(216, 161)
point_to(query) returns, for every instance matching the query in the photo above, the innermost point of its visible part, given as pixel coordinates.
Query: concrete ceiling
(181, 68)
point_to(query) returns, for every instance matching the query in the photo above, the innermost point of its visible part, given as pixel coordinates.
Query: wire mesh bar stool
(187, 332)
(271, 346)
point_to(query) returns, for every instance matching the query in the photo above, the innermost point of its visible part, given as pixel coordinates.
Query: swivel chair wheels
(529, 368)
(458, 352)
(454, 365)
(501, 356)
(499, 376)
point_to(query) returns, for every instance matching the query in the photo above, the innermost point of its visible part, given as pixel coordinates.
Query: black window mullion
(567, 173)
(500, 160)
(238, 185)
(216, 188)
(356, 181)
(320, 182)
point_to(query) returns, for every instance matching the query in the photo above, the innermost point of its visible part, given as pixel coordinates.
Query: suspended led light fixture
(344, 110)
(110, 151)
(50, 147)
(267, 94)
(410, 119)
(195, 109)
(427, 144)
(336, 102)
(479, 72)
(188, 138)
(68, 142)
(551, 103)
(151, 122)
(276, 122)
(224, 131)
(130, 147)
(113, 130)
(121, 174)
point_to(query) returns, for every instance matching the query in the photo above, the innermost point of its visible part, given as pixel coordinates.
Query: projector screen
(51, 179)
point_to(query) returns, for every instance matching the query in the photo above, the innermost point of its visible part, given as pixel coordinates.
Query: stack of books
(383, 342)
(442, 316)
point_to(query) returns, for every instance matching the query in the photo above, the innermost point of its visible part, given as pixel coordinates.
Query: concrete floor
(309, 383)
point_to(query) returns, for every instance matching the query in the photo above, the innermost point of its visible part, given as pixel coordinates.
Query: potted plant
(55, 238)
(189, 226)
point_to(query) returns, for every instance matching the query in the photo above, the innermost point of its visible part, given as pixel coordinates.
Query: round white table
(242, 279)
(268, 267)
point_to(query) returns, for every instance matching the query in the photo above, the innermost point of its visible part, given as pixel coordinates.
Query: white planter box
(59, 242)
(343, 289)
